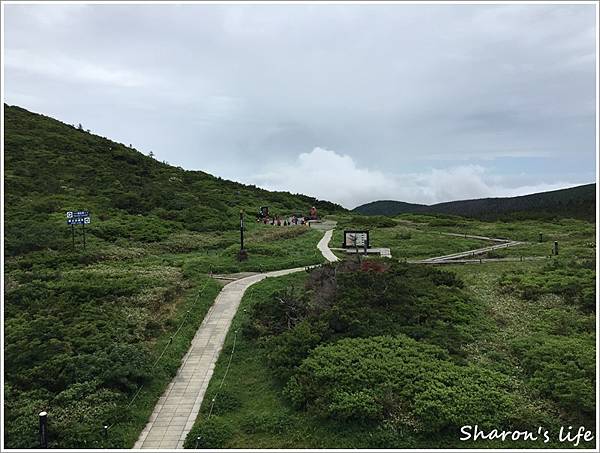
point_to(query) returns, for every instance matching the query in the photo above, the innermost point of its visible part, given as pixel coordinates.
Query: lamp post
(241, 230)
(242, 255)
(43, 429)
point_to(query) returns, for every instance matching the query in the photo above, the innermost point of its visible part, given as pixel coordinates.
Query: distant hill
(51, 167)
(577, 202)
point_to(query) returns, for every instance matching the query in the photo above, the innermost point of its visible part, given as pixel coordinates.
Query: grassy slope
(83, 328)
(51, 167)
(252, 413)
(250, 401)
(416, 236)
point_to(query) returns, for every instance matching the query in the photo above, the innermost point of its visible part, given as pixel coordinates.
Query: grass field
(249, 411)
(414, 236)
(542, 342)
(116, 305)
(132, 296)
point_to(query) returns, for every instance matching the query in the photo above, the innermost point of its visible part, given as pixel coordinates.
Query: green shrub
(397, 378)
(213, 432)
(224, 401)
(561, 368)
(570, 278)
(376, 221)
(287, 350)
(269, 423)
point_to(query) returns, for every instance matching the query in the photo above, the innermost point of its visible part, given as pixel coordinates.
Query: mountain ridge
(577, 202)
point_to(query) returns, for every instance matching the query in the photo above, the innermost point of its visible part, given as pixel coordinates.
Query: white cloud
(327, 175)
(336, 177)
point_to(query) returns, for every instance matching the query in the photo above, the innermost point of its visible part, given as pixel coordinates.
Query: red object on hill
(374, 266)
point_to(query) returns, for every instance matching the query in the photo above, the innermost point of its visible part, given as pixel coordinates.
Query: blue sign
(77, 220)
(75, 214)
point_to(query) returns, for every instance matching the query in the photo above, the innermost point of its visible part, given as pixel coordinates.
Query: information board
(356, 239)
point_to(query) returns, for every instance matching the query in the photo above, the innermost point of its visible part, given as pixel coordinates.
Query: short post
(43, 429)
(105, 431)
(83, 228)
(555, 247)
(73, 235)
(541, 237)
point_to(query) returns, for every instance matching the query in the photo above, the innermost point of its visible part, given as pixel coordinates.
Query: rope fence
(164, 350)
(214, 398)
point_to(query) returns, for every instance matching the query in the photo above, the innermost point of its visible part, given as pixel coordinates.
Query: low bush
(561, 368)
(570, 278)
(213, 432)
(400, 379)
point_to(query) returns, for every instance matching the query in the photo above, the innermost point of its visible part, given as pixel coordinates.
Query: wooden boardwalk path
(176, 411)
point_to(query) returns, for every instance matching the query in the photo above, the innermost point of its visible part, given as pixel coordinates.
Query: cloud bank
(422, 102)
(332, 176)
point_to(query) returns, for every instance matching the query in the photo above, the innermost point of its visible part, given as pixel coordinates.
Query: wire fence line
(214, 398)
(106, 427)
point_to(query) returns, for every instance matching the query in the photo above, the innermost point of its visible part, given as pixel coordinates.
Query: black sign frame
(346, 232)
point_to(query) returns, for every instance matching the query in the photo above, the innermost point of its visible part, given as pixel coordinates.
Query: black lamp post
(243, 255)
(43, 429)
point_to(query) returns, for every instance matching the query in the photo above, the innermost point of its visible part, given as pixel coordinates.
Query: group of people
(276, 220)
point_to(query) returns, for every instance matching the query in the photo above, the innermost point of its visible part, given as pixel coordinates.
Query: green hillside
(576, 202)
(52, 167)
(93, 336)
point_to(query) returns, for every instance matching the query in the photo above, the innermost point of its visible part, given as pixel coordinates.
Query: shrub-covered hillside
(94, 336)
(381, 354)
(51, 167)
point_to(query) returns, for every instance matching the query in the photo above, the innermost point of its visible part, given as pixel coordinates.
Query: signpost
(78, 218)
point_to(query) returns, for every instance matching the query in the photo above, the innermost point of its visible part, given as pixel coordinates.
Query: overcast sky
(350, 103)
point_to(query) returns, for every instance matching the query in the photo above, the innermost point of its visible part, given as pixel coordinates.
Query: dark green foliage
(345, 301)
(83, 327)
(561, 368)
(286, 351)
(400, 379)
(272, 423)
(51, 167)
(382, 348)
(211, 432)
(372, 221)
(577, 202)
(224, 401)
(574, 279)
(350, 301)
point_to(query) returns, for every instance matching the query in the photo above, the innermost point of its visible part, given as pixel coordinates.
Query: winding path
(323, 246)
(177, 409)
(456, 256)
